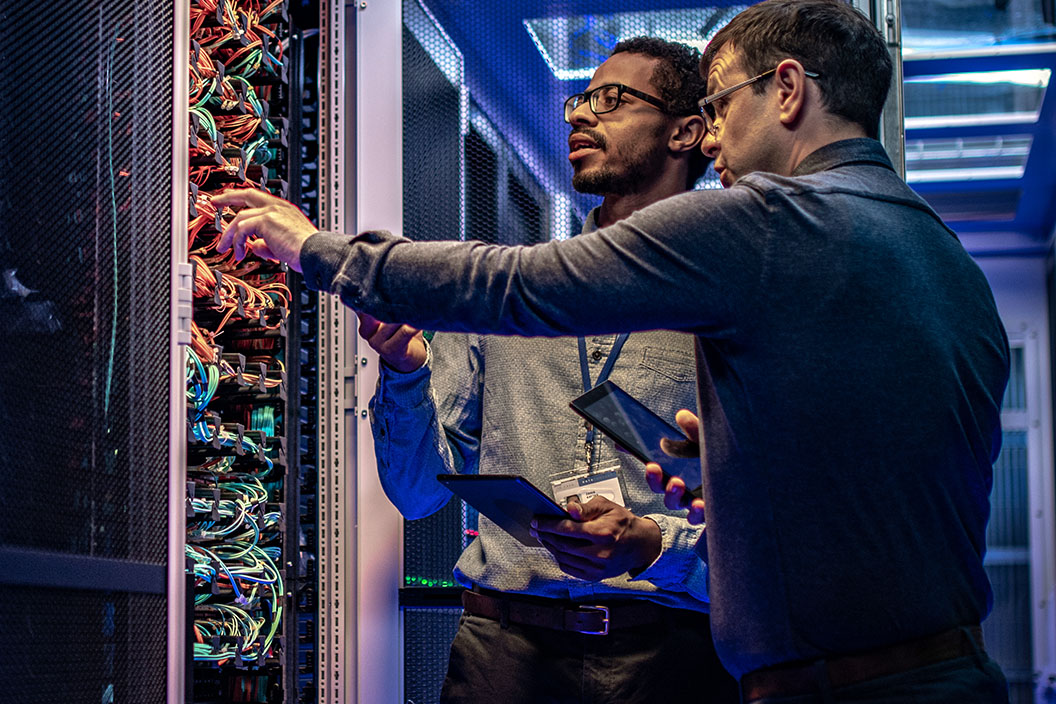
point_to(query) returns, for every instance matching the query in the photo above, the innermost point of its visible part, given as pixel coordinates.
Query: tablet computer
(508, 500)
(638, 430)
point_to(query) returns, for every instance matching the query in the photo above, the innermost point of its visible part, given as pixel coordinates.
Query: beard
(637, 167)
(610, 181)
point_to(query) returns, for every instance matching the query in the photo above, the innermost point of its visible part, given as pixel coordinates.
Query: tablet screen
(508, 500)
(637, 429)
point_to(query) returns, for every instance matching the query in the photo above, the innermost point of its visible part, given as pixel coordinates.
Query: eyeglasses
(607, 98)
(707, 102)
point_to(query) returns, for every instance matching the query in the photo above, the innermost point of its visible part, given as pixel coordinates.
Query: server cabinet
(89, 608)
(158, 402)
(252, 364)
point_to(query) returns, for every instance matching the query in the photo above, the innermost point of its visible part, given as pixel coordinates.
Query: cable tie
(190, 499)
(218, 300)
(262, 380)
(244, 29)
(240, 431)
(215, 440)
(218, 156)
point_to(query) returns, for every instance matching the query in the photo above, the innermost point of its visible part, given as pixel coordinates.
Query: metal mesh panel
(73, 647)
(1008, 628)
(1008, 500)
(431, 547)
(434, 208)
(427, 636)
(431, 138)
(84, 298)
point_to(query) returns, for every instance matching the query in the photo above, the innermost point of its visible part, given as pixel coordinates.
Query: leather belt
(843, 670)
(589, 619)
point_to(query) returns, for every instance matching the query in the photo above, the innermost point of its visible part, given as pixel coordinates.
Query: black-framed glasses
(707, 103)
(607, 98)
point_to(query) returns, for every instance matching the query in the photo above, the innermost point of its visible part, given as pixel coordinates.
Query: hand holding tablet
(508, 500)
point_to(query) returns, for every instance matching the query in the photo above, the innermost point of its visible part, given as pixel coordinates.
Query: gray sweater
(850, 369)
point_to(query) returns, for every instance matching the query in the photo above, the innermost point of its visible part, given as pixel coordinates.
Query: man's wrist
(396, 370)
(652, 537)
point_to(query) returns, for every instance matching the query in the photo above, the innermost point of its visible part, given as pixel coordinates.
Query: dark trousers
(965, 680)
(672, 660)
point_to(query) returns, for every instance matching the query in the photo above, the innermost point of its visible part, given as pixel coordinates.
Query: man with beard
(499, 405)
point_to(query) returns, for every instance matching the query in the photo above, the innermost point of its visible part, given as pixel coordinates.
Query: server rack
(251, 490)
(99, 302)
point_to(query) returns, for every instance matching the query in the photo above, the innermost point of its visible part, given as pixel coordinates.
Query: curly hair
(678, 80)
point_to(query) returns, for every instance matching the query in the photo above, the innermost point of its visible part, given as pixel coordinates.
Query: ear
(790, 79)
(686, 134)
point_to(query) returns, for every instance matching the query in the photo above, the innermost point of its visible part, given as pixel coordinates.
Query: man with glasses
(499, 405)
(851, 363)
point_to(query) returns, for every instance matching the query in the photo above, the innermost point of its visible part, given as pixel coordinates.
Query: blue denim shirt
(499, 405)
(850, 370)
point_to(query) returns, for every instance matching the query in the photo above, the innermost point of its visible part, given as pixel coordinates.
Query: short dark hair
(827, 36)
(678, 80)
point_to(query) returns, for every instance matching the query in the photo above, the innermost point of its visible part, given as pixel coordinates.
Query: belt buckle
(604, 610)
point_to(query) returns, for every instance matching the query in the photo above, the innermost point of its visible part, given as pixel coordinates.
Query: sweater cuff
(321, 258)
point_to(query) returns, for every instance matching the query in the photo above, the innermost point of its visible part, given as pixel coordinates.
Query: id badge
(584, 486)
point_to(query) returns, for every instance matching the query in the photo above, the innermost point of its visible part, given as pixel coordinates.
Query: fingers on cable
(233, 232)
(248, 223)
(260, 248)
(240, 198)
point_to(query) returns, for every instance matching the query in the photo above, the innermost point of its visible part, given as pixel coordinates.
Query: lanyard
(606, 369)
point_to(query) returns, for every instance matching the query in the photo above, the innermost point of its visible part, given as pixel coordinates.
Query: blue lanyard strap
(606, 369)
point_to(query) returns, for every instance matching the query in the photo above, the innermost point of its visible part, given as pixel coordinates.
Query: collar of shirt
(846, 151)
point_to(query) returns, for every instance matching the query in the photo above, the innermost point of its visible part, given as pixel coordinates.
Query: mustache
(594, 136)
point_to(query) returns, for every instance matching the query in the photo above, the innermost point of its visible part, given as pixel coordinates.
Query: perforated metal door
(86, 138)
